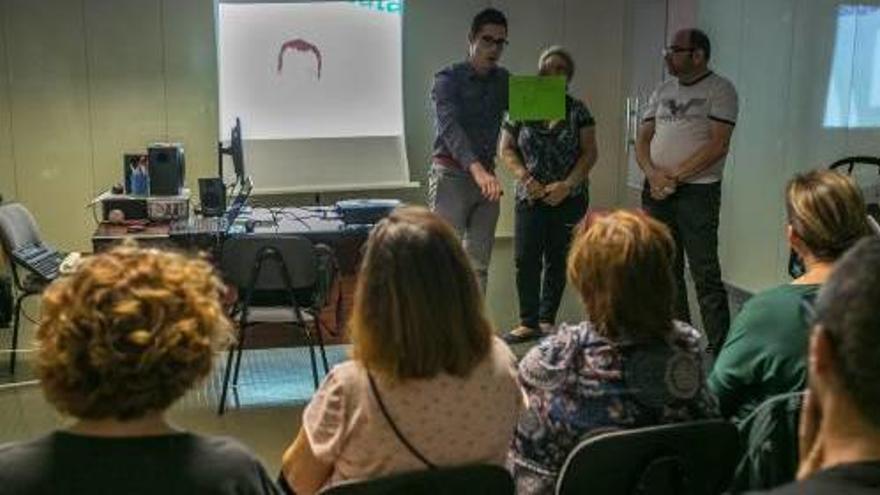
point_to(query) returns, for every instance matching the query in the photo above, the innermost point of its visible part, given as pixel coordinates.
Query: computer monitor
(236, 151)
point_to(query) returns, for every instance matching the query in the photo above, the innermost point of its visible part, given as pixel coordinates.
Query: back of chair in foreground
(692, 458)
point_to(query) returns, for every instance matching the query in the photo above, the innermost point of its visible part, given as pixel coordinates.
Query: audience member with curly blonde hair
(120, 340)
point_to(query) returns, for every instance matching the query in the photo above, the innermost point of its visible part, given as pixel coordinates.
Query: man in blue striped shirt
(470, 99)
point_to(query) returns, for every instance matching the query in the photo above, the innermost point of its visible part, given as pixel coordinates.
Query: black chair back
(285, 263)
(18, 229)
(295, 255)
(769, 436)
(693, 458)
(461, 480)
(851, 162)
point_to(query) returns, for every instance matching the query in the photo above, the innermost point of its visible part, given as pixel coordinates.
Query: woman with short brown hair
(629, 364)
(425, 362)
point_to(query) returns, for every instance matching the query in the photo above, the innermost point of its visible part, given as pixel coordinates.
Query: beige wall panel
(595, 31)
(7, 165)
(434, 35)
(722, 21)
(191, 79)
(50, 116)
(752, 213)
(126, 82)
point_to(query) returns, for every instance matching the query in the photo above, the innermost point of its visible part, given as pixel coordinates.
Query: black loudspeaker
(212, 196)
(167, 169)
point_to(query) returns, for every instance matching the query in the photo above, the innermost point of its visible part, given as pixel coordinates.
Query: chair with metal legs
(291, 265)
(18, 229)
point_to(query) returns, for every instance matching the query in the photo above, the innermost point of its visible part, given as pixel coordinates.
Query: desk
(318, 224)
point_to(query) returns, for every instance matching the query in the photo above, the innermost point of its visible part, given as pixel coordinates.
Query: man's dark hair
(487, 16)
(847, 311)
(700, 41)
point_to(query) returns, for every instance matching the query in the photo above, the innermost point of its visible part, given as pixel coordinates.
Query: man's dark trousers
(691, 213)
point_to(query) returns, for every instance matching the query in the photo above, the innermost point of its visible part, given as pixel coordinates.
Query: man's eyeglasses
(671, 50)
(487, 40)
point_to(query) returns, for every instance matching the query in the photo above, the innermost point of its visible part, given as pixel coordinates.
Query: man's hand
(556, 192)
(661, 184)
(487, 182)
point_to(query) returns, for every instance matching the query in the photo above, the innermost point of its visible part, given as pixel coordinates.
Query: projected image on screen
(299, 45)
(854, 84)
(310, 70)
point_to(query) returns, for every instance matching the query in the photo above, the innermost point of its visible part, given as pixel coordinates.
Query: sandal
(522, 334)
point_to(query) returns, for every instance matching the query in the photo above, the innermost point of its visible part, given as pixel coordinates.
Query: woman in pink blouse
(424, 351)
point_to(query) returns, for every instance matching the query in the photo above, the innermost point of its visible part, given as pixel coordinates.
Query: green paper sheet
(537, 98)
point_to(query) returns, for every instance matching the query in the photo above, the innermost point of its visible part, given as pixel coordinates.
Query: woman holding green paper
(551, 160)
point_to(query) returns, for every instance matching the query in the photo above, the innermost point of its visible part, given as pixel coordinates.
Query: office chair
(851, 162)
(292, 264)
(692, 458)
(460, 480)
(769, 436)
(18, 228)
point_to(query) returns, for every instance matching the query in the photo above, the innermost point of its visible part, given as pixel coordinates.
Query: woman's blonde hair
(561, 52)
(827, 212)
(129, 332)
(417, 309)
(621, 264)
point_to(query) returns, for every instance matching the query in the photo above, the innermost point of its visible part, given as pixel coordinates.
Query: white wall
(778, 53)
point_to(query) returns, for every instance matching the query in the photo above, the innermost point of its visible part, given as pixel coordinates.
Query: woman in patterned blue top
(628, 365)
(551, 161)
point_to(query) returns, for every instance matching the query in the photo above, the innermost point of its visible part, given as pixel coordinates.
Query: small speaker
(212, 196)
(167, 169)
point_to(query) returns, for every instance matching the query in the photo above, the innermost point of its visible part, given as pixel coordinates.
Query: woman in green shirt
(765, 352)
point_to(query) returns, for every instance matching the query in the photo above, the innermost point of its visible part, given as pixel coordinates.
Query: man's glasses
(671, 50)
(487, 40)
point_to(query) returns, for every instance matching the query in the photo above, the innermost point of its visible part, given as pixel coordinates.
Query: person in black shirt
(120, 340)
(840, 421)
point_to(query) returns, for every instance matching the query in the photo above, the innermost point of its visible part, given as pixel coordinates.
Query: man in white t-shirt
(682, 144)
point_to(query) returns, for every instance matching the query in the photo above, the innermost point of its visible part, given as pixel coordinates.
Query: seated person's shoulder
(25, 465)
(855, 478)
(223, 461)
(773, 309)
(223, 448)
(553, 357)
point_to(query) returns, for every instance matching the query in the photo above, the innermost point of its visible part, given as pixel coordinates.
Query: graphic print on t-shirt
(677, 110)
